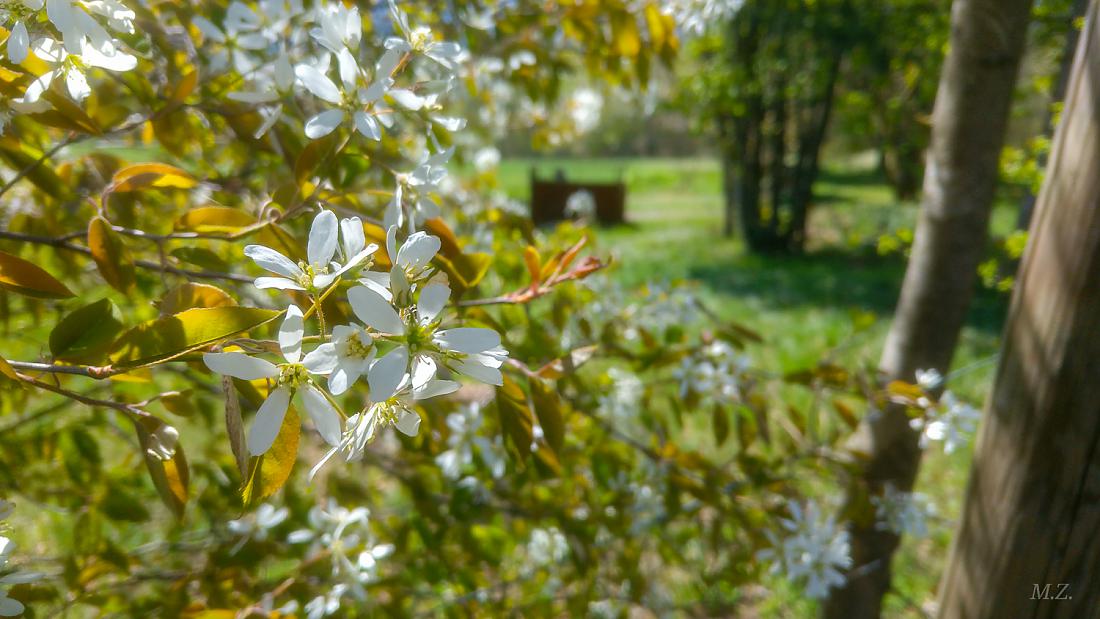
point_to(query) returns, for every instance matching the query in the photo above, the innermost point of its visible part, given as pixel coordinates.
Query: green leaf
(85, 334)
(548, 409)
(234, 427)
(168, 337)
(110, 255)
(720, 421)
(25, 278)
(200, 257)
(515, 416)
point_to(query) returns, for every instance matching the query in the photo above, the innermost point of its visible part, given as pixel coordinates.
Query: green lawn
(834, 302)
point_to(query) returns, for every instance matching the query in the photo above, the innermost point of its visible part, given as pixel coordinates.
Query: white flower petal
(378, 281)
(353, 237)
(322, 413)
(407, 99)
(323, 124)
(239, 365)
(290, 334)
(10, 607)
(208, 29)
(408, 422)
(269, 419)
(432, 300)
(273, 261)
(318, 83)
(375, 311)
(423, 370)
(321, 360)
(367, 125)
(77, 85)
(435, 388)
(323, 238)
(344, 376)
(468, 340)
(387, 374)
(18, 43)
(480, 371)
(418, 250)
(349, 69)
(280, 283)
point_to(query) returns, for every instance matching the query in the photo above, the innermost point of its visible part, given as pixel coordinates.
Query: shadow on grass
(842, 278)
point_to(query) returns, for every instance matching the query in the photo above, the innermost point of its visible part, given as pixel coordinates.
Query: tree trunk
(969, 120)
(1031, 514)
(1057, 94)
(809, 153)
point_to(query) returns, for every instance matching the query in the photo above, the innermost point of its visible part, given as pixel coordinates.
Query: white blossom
(291, 378)
(812, 551)
(903, 513)
(950, 420)
(547, 547)
(461, 441)
(320, 270)
(581, 204)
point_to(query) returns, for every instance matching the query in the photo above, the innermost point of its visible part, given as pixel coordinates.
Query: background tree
(968, 129)
(1028, 521)
(769, 85)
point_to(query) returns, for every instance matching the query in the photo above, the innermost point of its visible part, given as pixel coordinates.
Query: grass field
(834, 302)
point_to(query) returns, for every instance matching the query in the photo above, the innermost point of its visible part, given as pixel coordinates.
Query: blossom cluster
(403, 344)
(463, 439)
(716, 371)
(397, 344)
(73, 37)
(946, 419)
(813, 550)
(903, 513)
(335, 534)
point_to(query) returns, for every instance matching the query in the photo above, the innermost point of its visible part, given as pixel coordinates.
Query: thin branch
(79, 370)
(61, 243)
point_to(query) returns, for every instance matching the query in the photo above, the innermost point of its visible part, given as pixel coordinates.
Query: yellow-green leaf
(172, 476)
(110, 255)
(215, 220)
(18, 275)
(168, 337)
(190, 295)
(151, 176)
(515, 415)
(268, 473)
(548, 409)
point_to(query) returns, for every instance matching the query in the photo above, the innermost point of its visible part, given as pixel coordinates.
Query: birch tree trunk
(1031, 513)
(968, 127)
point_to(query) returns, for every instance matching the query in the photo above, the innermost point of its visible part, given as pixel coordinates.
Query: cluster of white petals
(716, 371)
(76, 37)
(343, 536)
(903, 513)
(947, 419)
(813, 550)
(398, 344)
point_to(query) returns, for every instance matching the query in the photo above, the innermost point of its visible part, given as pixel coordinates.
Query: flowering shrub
(232, 243)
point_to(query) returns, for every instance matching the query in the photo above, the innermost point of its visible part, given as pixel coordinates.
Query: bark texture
(1031, 513)
(969, 120)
